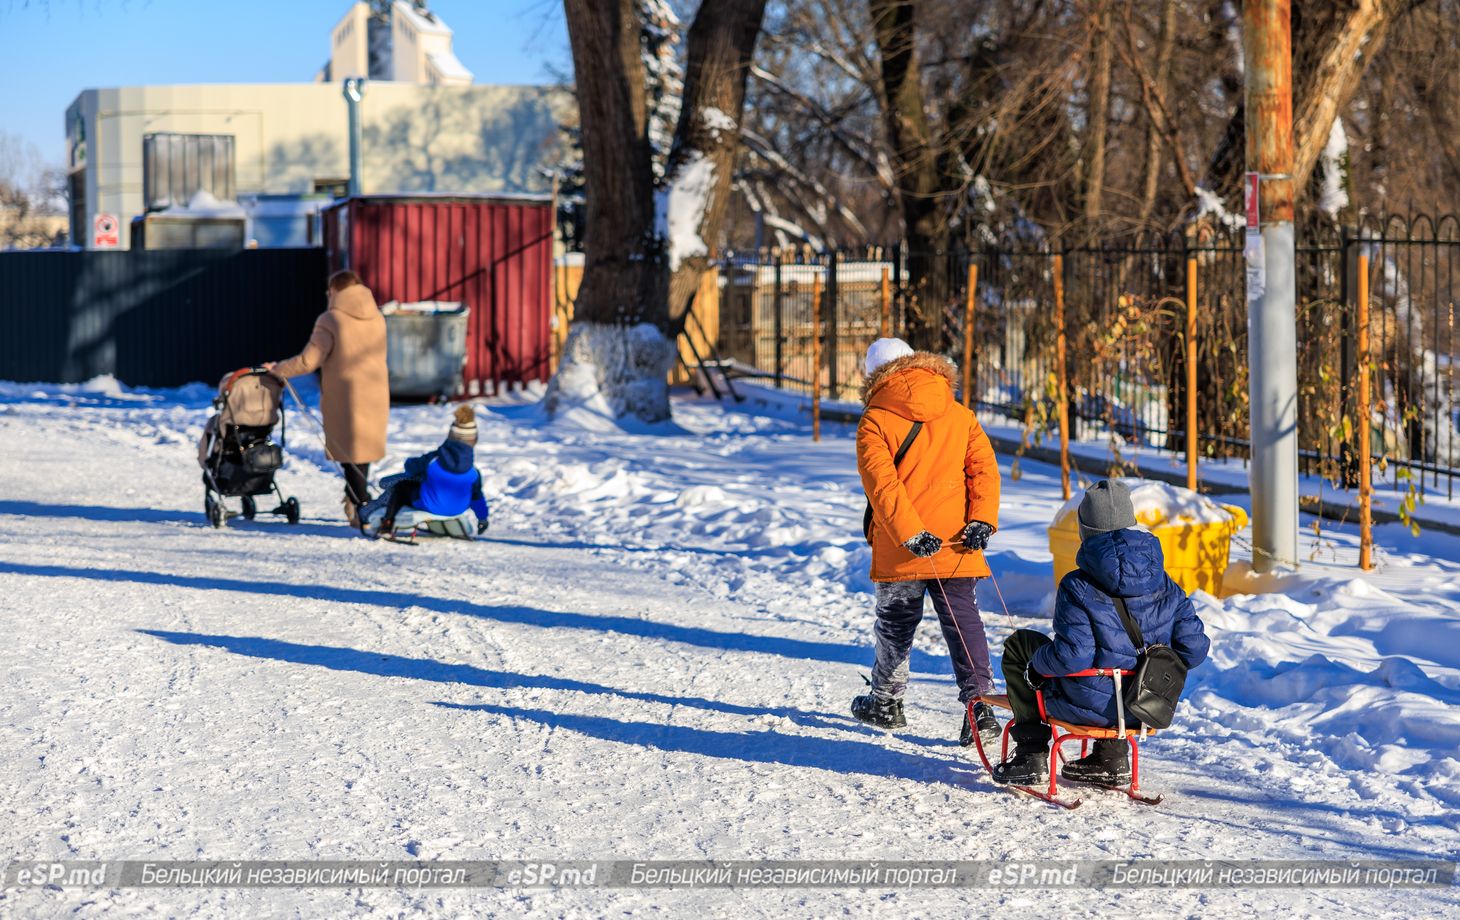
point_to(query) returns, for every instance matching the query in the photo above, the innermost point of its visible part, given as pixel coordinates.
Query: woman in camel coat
(348, 349)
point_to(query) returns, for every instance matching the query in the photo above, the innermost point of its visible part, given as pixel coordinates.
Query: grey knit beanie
(1105, 507)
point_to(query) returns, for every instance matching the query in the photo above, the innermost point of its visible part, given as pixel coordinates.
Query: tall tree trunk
(915, 160)
(620, 350)
(1165, 42)
(702, 162)
(1098, 108)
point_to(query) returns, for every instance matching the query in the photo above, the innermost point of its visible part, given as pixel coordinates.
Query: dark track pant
(401, 494)
(900, 610)
(357, 482)
(1019, 648)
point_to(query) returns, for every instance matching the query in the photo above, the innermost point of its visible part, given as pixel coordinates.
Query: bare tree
(31, 202)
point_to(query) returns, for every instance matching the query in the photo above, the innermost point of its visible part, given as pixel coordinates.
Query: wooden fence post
(1193, 436)
(816, 357)
(886, 303)
(1366, 416)
(968, 307)
(1062, 383)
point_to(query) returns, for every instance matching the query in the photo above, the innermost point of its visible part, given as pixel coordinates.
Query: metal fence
(156, 319)
(1124, 320)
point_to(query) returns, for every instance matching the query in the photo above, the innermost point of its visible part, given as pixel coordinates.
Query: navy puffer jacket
(1087, 628)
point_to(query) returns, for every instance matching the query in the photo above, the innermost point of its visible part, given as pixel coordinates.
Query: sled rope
(313, 420)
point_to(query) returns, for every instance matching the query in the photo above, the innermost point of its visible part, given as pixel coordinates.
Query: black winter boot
(879, 711)
(989, 729)
(1107, 764)
(1029, 766)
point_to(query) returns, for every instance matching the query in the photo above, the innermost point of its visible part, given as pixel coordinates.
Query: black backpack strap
(1132, 628)
(902, 449)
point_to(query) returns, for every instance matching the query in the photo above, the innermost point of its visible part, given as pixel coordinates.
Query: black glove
(1033, 678)
(976, 535)
(924, 545)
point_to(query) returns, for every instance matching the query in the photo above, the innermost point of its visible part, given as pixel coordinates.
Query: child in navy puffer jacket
(443, 482)
(1115, 560)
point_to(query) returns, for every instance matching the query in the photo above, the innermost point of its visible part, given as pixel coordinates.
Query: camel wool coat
(347, 347)
(948, 478)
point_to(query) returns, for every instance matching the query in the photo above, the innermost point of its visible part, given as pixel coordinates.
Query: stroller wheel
(214, 509)
(291, 510)
(249, 508)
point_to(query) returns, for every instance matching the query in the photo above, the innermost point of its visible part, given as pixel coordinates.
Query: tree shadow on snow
(700, 637)
(385, 665)
(265, 522)
(101, 513)
(768, 747)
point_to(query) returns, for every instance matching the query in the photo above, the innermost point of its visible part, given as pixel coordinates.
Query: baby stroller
(237, 451)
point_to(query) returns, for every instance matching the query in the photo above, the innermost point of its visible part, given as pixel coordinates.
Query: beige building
(411, 45)
(431, 130)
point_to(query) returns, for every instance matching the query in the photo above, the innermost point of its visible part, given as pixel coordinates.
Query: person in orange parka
(931, 515)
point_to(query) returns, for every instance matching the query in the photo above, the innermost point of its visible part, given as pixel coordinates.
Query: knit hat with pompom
(464, 429)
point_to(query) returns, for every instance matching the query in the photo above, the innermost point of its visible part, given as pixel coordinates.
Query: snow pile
(611, 375)
(1159, 503)
(1337, 666)
(204, 205)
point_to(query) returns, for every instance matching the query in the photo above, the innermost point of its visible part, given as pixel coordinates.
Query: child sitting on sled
(443, 483)
(1115, 560)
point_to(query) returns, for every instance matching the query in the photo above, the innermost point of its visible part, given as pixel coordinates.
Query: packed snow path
(649, 656)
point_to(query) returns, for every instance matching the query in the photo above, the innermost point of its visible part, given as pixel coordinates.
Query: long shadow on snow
(382, 665)
(101, 513)
(524, 616)
(834, 754)
(265, 521)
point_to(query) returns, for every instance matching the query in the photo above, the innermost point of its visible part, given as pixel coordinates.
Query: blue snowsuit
(449, 481)
(1087, 627)
(443, 482)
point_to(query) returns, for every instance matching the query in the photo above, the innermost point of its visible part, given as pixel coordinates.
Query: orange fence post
(1062, 383)
(1366, 417)
(968, 305)
(816, 357)
(1193, 437)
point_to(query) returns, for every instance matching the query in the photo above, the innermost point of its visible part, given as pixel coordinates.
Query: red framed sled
(1067, 731)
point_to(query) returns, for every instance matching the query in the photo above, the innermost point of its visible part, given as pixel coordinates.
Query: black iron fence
(154, 318)
(1124, 320)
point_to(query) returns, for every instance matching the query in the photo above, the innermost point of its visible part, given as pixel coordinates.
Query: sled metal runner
(1066, 731)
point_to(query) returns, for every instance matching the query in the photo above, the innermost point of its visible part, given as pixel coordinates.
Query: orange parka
(948, 477)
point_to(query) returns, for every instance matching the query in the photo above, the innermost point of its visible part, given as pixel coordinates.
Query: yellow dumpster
(1195, 532)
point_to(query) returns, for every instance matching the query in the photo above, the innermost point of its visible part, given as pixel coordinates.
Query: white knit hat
(885, 350)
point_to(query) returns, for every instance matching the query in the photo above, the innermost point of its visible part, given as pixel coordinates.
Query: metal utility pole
(354, 91)
(1272, 336)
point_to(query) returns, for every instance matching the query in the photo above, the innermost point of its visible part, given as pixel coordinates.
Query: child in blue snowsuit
(442, 482)
(1115, 560)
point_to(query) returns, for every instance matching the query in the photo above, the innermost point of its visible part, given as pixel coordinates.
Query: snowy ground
(650, 656)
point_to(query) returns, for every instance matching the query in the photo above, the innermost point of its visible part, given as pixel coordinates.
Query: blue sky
(50, 50)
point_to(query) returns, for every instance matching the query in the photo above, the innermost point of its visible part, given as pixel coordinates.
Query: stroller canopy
(249, 398)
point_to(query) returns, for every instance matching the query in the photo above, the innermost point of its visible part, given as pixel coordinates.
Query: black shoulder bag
(1160, 675)
(896, 461)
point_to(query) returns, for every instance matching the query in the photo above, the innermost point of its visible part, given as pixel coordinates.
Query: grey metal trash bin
(425, 347)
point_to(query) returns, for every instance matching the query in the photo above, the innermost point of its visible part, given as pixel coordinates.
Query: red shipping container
(493, 253)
